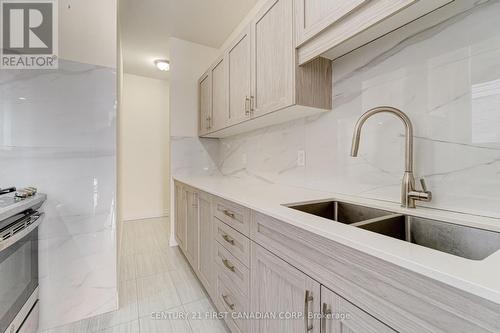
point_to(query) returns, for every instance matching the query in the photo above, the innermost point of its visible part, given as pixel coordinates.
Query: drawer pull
(228, 265)
(308, 299)
(228, 213)
(229, 304)
(326, 313)
(228, 239)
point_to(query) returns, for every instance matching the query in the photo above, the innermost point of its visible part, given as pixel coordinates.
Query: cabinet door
(180, 216)
(340, 316)
(205, 104)
(205, 262)
(312, 16)
(192, 227)
(273, 57)
(238, 59)
(280, 289)
(220, 112)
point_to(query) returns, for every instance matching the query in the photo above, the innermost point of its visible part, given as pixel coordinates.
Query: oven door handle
(36, 220)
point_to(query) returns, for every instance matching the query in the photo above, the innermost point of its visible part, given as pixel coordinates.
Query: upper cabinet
(273, 57)
(312, 16)
(264, 84)
(332, 28)
(204, 104)
(220, 115)
(238, 60)
(279, 67)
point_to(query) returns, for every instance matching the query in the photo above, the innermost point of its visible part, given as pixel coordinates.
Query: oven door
(18, 266)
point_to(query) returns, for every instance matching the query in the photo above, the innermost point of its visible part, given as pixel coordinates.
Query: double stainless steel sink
(466, 242)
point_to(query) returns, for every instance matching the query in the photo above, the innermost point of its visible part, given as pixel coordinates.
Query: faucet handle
(424, 185)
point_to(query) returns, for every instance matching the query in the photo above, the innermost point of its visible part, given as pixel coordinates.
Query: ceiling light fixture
(163, 65)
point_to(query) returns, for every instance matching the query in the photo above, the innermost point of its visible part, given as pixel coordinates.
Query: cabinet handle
(228, 239)
(209, 121)
(229, 304)
(325, 312)
(228, 213)
(308, 299)
(227, 263)
(247, 106)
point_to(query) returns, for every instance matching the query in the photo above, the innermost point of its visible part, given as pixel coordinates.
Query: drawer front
(230, 299)
(237, 244)
(235, 270)
(233, 215)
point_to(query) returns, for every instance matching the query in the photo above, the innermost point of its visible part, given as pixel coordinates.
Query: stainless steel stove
(19, 221)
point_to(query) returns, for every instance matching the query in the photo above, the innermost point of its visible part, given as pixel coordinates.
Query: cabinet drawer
(235, 270)
(237, 244)
(230, 299)
(233, 215)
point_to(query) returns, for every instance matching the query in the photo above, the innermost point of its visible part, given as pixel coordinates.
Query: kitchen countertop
(21, 205)
(478, 277)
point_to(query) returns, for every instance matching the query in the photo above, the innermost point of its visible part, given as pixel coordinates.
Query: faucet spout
(408, 132)
(408, 193)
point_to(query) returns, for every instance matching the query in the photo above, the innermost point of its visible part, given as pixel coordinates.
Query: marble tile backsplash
(57, 132)
(446, 77)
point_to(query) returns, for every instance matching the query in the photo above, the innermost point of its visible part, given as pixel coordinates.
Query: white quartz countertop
(481, 278)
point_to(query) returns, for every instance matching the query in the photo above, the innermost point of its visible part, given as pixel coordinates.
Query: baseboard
(144, 216)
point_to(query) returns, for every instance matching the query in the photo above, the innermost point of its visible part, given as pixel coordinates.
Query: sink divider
(375, 220)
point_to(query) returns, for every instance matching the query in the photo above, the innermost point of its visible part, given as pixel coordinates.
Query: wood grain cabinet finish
(332, 28)
(192, 226)
(340, 316)
(401, 299)
(206, 243)
(234, 215)
(220, 112)
(238, 273)
(273, 57)
(293, 271)
(237, 244)
(204, 104)
(239, 94)
(281, 289)
(229, 299)
(264, 78)
(277, 82)
(180, 215)
(313, 16)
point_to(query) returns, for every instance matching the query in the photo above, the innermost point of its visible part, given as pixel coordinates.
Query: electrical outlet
(301, 158)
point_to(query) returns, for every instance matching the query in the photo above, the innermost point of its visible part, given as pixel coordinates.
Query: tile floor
(153, 278)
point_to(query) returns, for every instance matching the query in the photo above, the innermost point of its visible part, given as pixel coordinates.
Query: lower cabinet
(264, 292)
(192, 225)
(205, 237)
(180, 216)
(281, 290)
(340, 316)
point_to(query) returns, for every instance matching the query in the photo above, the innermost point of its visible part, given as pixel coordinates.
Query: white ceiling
(146, 26)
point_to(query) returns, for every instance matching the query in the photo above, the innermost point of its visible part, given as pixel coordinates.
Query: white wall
(144, 148)
(87, 31)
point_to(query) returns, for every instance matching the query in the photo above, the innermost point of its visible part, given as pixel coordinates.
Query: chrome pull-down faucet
(408, 192)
